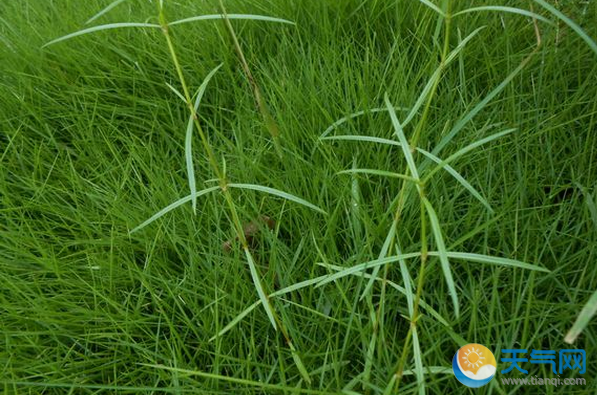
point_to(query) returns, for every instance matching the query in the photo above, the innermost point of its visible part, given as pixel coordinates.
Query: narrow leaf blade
(443, 254)
(172, 206)
(250, 17)
(99, 28)
(276, 192)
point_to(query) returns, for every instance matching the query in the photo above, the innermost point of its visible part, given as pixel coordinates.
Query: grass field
(379, 264)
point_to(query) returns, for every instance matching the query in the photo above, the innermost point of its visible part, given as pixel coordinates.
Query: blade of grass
(466, 150)
(471, 114)
(432, 312)
(249, 17)
(269, 388)
(276, 192)
(262, 294)
(348, 118)
(385, 249)
(364, 266)
(443, 254)
(236, 320)
(493, 260)
(511, 10)
(590, 42)
(419, 373)
(104, 11)
(99, 28)
(172, 206)
(176, 92)
(434, 79)
(262, 107)
(376, 172)
(402, 138)
(189, 135)
(119, 25)
(433, 7)
(585, 316)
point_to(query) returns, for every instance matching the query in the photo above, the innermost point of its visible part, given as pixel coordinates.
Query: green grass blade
(431, 370)
(418, 362)
(231, 16)
(408, 289)
(433, 7)
(454, 53)
(492, 260)
(99, 28)
(348, 118)
(235, 321)
(370, 139)
(402, 138)
(299, 285)
(585, 316)
(382, 254)
(364, 266)
(263, 386)
(428, 154)
(471, 114)
(376, 172)
(510, 10)
(299, 363)
(260, 291)
(443, 254)
(459, 178)
(432, 312)
(176, 92)
(590, 42)
(104, 11)
(172, 206)
(424, 93)
(590, 202)
(466, 150)
(276, 192)
(437, 75)
(188, 147)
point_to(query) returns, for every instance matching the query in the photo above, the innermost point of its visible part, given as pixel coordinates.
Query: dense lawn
(93, 143)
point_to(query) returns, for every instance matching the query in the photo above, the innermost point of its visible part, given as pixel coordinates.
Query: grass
(432, 181)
